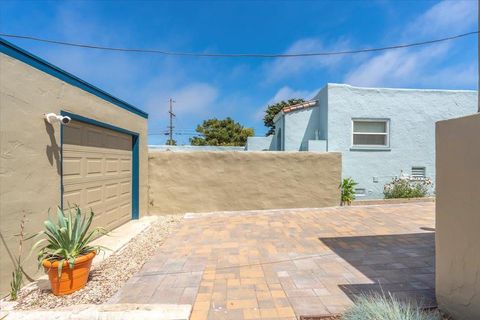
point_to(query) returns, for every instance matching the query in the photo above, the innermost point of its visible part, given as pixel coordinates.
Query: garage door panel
(118, 142)
(97, 172)
(111, 191)
(71, 197)
(73, 134)
(125, 187)
(94, 195)
(111, 166)
(93, 151)
(94, 166)
(69, 180)
(125, 165)
(72, 166)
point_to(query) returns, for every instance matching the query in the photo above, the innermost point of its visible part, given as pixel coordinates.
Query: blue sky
(242, 88)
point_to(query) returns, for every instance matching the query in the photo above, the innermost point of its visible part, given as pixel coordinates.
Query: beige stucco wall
(458, 217)
(30, 148)
(217, 181)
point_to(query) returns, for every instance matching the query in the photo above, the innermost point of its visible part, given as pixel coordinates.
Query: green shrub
(69, 238)
(407, 188)
(17, 274)
(381, 307)
(16, 283)
(347, 188)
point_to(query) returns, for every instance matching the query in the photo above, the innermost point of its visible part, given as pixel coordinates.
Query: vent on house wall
(360, 192)
(419, 172)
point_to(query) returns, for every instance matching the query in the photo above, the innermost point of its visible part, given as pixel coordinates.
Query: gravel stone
(109, 276)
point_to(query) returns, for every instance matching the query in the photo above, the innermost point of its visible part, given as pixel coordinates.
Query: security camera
(53, 118)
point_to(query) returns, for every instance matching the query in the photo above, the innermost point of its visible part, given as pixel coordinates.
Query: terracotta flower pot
(70, 280)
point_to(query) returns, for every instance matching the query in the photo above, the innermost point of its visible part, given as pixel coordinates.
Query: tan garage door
(97, 172)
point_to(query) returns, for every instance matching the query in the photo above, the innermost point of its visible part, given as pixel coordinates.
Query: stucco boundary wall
(458, 217)
(182, 182)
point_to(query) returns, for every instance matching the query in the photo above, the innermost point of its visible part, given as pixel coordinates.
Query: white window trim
(370, 146)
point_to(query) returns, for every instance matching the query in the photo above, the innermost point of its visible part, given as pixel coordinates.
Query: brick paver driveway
(281, 264)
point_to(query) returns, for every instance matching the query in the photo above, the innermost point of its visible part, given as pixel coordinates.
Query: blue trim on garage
(135, 156)
(135, 175)
(42, 65)
(61, 167)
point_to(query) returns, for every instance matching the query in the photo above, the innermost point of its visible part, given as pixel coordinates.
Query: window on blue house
(370, 133)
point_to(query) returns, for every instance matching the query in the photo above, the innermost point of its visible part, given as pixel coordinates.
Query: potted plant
(67, 255)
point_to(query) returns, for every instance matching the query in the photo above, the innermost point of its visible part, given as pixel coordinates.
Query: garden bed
(107, 277)
(368, 202)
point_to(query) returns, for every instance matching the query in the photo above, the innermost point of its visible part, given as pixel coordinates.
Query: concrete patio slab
(283, 264)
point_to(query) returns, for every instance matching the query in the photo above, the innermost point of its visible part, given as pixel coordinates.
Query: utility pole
(170, 127)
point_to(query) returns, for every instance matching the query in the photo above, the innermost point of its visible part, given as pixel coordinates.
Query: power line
(176, 133)
(241, 55)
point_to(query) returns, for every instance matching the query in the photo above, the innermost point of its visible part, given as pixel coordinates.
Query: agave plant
(388, 307)
(69, 238)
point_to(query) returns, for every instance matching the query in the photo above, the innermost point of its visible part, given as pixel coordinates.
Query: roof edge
(332, 84)
(20, 54)
(295, 107)
(301, 105)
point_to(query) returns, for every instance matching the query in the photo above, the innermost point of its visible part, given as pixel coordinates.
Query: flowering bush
(407, 188)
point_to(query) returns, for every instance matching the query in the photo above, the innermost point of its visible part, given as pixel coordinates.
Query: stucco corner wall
(222, 181)
(30, 149)
(259, 143)
(458, 216)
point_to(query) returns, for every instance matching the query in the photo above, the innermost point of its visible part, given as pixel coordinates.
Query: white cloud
(461, 76)
(446, 17)
(142, 80)
(286, 93)
(196, 98)
(282, 68)
(192, 99)
(111, 71)
(417, 66)
(396, 68)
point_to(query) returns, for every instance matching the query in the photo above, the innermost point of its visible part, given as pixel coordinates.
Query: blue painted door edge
(135, 157)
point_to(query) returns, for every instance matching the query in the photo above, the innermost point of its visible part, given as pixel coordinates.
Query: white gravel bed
(110, 275)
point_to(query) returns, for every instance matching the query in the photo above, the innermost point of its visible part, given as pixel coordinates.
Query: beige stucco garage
(98, 161)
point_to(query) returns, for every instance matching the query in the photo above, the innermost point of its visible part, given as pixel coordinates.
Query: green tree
(273, 109)
(226, 132)
(172, 142)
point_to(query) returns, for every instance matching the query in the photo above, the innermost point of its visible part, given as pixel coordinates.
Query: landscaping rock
(108, 276)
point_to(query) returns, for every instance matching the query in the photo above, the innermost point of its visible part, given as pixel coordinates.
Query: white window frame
(371, 146)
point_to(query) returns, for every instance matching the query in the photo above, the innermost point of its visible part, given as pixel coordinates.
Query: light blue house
(381, 132)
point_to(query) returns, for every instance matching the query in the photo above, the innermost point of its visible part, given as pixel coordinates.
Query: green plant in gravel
(381, 307)
(18, 272)
(407, 188)
(16, 283)
(347, 188)
(69, 238)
